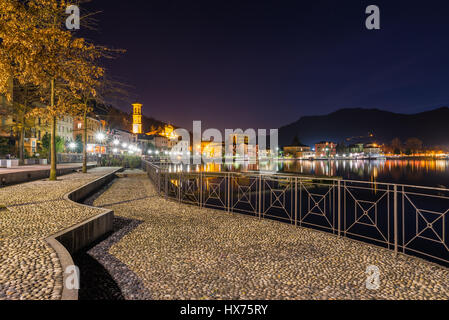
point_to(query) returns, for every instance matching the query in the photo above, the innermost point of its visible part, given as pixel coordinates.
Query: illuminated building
(30, 145)
(158, 142)
(300, 151)
(212, 149)
(372, 150)
(325, 149)
(137, 118)
(64, 128)
(240, 146)
(93, 127)
(122, 136)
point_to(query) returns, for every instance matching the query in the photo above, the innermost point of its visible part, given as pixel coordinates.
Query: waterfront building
(94, 126)
(30, 145)
(297, 152)
(240, 146)
(325, 149)
(213, 150)
(64, 128)
(121, 138)
(372, 150)
(158, 142)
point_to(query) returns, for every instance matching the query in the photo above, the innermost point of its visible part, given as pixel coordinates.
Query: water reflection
(417, 172)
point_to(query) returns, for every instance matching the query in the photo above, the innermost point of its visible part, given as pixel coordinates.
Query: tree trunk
(22, 128)
(21, 143)
(53, 135)
(85, 142)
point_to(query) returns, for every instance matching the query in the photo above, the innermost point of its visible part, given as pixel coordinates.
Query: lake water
(434, 173)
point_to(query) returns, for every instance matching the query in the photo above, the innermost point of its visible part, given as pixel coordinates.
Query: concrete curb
(9, 179)
(80, 235)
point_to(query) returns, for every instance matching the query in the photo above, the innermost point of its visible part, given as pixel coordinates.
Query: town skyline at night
(223, 158)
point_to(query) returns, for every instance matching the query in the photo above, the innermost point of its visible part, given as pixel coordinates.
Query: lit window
(79, 125)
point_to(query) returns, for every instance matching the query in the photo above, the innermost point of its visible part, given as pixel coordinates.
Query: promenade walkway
(10, 176)
(38, 167)
(176, 251)
(29, 268)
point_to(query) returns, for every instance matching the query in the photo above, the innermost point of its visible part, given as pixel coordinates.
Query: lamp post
(100, 136)
(72, 146)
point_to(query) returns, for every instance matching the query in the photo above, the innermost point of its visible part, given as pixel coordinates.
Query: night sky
(264, 64)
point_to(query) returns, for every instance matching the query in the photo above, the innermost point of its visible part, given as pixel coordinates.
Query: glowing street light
(72, 146)
(115, 150)
(116, 142)
(100, 136)
(124, 145)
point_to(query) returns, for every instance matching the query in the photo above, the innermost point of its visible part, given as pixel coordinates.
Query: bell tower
(137, 118)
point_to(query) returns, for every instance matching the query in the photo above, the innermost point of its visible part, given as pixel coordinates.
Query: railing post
(339, 209)
(166, 185)
(395, 213)
(260, 196)
(179, 186)
(201, 189)
(159, 181)
(296, 201)
(228, 193)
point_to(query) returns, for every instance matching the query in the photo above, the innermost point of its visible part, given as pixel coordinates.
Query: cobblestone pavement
(29, 268)
(183, 252)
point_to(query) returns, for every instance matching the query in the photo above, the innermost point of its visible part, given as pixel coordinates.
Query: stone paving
(37, 167)
(183, 252)
(29, 268)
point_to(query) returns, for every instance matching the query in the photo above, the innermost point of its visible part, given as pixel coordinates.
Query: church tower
(137, 118)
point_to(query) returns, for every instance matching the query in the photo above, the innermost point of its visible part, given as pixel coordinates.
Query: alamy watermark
(373, 278)
(210, 147)
(372, 22)
(73, 20)
(72, 278)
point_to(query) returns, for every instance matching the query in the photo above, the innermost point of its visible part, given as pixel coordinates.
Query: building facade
(239, 146)
(372, 150)
(93, 127)
(297, 152)
(325, 149)
(124, 138)
(64, 128)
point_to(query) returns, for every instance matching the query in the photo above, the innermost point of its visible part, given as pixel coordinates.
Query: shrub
(127, 161)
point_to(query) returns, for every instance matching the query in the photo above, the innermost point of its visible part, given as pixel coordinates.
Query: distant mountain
(432, 127)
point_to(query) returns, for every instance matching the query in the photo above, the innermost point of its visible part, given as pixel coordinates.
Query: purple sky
(264, 64)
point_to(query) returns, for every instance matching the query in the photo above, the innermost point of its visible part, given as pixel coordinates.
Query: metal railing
(404, 218)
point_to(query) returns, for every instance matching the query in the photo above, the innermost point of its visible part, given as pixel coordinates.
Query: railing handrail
(293, 175)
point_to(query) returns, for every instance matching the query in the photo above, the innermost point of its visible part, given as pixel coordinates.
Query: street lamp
(116, 142)
(100, 136)
(72, 146)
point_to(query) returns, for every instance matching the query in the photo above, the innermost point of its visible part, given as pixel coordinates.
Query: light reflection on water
(416, 172)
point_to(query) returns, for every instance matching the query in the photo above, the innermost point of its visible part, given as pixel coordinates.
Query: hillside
(432, 127)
